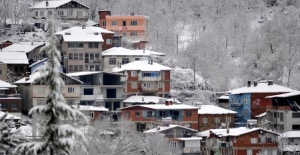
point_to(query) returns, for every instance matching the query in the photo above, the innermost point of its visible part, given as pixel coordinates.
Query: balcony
(9, 95)
(236, 105)
(149, 89)
(192, 150)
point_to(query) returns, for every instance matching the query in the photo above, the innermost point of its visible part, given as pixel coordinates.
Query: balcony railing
(10, 95)
(192, 150)
(236, 104)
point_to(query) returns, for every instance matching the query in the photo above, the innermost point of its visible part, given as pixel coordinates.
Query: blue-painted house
(35, 66)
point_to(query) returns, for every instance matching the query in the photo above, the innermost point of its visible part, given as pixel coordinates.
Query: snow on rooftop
(89, 108)
(164, 128)
(13, 58)
(52, 4)
(224, 97)
(261, 115)
(164, 107)
(232, 131)
(83, 73)
(39, 61)
(9, 116)
(296, 93)
(90, 23)
(141, 66)
(4, 84)
(124, 51)
(23, 47)
(190, 138)
(291, 134)
(212, 109)
(142, 99)
(262, 87)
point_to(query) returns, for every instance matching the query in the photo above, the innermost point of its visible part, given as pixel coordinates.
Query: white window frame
(110, 60)
(253, 140)
(40, 102)
(133, 85)
(228, 119)
(133, 23)
(108, 41)
(249, 152)
(79, 13)
(49, 13)
(60, 12)
(160, 84)
(42, 13)
(114, 23)
(205, 120)
(217, 120)
(70, 101)
(133, 73)
(71, 89)
(70, 13)
(40, 90)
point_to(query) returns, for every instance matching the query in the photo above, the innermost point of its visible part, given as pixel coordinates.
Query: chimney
(132, 14)
(151, 62)
(255, 83)
(83, 26)
(270, 82)
(171, 102)
(249, 84)
(47, 3)
(167, 103)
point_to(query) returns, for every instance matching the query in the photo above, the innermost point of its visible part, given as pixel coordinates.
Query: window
(133, 85)
(50, 13)
(93, 45)
(75, 68)
(124, 23)
(41, 13)
(215, 141)
(160, 84)
(125, 60)
(281, 116)
(124, 34)
(75, 56)
(127, 114)
(114, 23)
(70, 13)
(75, 45)
(245, 112)
(296, 127)
(133, 73)
(71, 90)
(173, 144)
(253, 140)
(36, 13)
(204, 120)
(97, 68)
(71, 102)
(70, 56)
(61, 13)
(137, 58)
(146, 85)
(217, 120)
(88, 91)
(296, 115)
(228, 119)
(234, 139)
(14, 106)
(112, 61)
(108, 41)
(137, 114)
(249, 151)
(133, 33)
(151, 74)
(0, 72)
(80, 56)
(133, 23)
(104, 23)
(40, 102)
(71, 68)
(188, 113)
(78, 13)
(92, 67)
(3, 106)
(80, 67)
(41, 90)
(150, 114)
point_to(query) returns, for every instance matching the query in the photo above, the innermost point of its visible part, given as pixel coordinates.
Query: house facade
(82, 47)
(145, 78)
(213, 117)
(5, 43)
(284, 113)
(250, 101)
(101, 88)
(239, 141)
(116, 55)
(60, 10)
(289, 142)
(132, 28)
(94, 113)
(10, 101)
(147, 116)
(33, 94)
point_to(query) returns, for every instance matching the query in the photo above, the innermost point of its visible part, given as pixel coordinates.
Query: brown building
(213, 117)
(147, 116)
(10, 101)
(145, 77)
(4, 44)
(239, 141)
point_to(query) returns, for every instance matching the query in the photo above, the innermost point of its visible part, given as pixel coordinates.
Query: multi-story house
(10, 101)
(147, 116)
(239, 141)
(139, 99)
(223, 101)
(60, 9)
(101, 88)
(132, 28)
(146, 78)
(119, 55)
(94, 113)
(288, 143)
(250, 101)
(13, 65)
(33, 94)
(284, 112)
(213, 117)
(82, 47)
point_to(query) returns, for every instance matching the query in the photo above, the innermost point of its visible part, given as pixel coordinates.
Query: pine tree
(58, 138)
(9, 139)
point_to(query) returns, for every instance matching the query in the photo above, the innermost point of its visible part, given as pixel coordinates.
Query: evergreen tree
(58, 138)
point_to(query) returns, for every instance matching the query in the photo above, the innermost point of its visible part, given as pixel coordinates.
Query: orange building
(132, 28)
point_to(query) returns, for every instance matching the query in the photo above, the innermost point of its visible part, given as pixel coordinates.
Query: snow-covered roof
(83, 73)
(296, 93)
(52, 4)
(4, 84)
(87, 34)
(36, 75)
(121, 51)
(9, 116)
(262, 87)
(90, 108)
(13, 58)
(164, 128)
(212, 109)
(163, 106)
(142, 99)
(190, 138)
(232, 131)
(224, 97)
(141, 66)
(90, 23)
(23, 47)
(261, 115)
(39, 61)
(291, 134)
